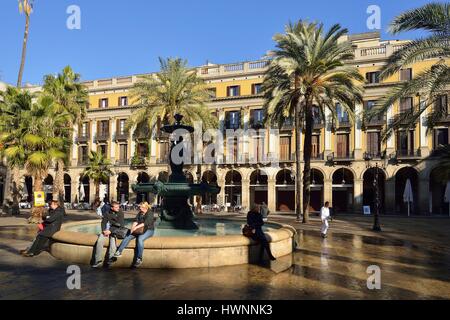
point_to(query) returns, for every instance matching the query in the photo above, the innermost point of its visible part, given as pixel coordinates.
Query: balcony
(375, 122)
(406, 154)
(83, 162)
(122, 136)
(102, 136)
(163, 159)
(83, 139)
(402, 118)
(317, 156)
(318, 124)
(341, 157)
(122, 162)
(287, 157)
(373, 156)
(138, 162)
(379, 52)
(342, 124)
(234, 68)
(288, 125)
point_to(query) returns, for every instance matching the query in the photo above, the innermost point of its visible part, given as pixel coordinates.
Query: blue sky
(126, 37)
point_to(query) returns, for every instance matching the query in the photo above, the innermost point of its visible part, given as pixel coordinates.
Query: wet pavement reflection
(331, 268)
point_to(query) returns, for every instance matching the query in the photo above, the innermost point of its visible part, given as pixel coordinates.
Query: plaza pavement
(413, 254)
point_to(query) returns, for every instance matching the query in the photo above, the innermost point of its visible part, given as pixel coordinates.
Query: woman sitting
(142, 228)
(255, 222)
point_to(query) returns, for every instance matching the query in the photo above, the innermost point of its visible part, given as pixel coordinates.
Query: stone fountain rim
(180, 242)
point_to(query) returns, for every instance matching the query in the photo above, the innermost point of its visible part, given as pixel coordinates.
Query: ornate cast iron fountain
(175, 209)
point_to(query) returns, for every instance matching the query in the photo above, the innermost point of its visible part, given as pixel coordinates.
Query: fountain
(176, 211)
(180, 240)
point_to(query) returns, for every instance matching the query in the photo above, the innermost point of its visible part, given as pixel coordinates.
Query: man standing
(51, 225)
(324, 216)
(114, 218)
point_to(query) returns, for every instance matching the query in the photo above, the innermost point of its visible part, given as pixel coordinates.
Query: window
(123, 153)
(373, 77)
(441, 103)
(373, 144)
(256, 88)
(285, 148)
(405, 142)
(142, 150)
(316, 115)
(103, 103)
(122, 123)
(257, 118)
(123, 101)
(233, 91)
(233, 120)
(212, 93)
(164, 151)
(342, 115)
(258, 148)
(342, 145)
(83, 154)
(315, 147)
(103, 127)
(84, 130)
(440, 137)
(405, 74)
(406, 104)
(103, 150)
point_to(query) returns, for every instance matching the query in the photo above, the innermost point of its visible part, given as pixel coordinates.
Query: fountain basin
(167, 249)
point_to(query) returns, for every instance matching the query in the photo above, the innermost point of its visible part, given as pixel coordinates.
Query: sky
(120, 37)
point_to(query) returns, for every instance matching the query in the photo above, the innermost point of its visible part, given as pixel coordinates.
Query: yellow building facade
(347, 156)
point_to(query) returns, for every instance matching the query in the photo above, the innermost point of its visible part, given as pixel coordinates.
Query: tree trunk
(307, 161)
(15, 191)
(36, 212)
(58, 184)
(24, 51)
(298, 174)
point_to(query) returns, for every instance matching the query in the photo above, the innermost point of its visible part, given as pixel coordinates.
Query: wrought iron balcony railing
(83, 139)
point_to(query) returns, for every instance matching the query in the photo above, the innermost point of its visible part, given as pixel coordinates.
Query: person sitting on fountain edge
(143, 228)
(255, 221)
(51, 225)
(113, 219)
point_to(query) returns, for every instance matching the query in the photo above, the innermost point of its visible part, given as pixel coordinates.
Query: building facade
(346, 158)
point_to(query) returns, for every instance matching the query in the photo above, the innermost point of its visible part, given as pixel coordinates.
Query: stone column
(389, 195)
(390, 145)
(328, 191)
(91, 191)
(423, 197)
(271, 195)
(246, 194)
(74, 189)
(75, 146)
(328, 146)
(424, 150)
(358, 195)
(112, 151)
(113, 188)
(93, 135)
(133, 142)
(221, 195)
(153, 145)
(358, 131)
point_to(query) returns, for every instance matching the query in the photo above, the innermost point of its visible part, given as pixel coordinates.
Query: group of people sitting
(143, 227)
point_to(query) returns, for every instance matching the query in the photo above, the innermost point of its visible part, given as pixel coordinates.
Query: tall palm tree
(70, 97)
(98, 170)
(175, 89)
(308, 71)
(26, 7)
(431, 83)
(13, 104)
(42, 135)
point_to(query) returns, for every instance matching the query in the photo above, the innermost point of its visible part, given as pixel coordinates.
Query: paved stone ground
(413, 254)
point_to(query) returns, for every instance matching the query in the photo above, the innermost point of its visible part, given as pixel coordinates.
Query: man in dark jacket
(51, 225)
(114, 219)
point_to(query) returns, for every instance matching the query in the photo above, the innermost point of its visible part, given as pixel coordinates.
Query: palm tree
(71, 97)
(430, 83)
(42, 135)
(13, 104)
(175, 89)
(26, 7)
(98, 170)
(307, 71)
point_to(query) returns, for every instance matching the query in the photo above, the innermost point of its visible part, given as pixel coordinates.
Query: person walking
(324, 216)
(51, 224)
(255, 222)
(143, 228)
(112, 220)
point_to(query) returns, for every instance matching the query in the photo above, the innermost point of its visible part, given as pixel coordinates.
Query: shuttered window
(315, 146)
(285, 148)
(342, 145)
(373, 143)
